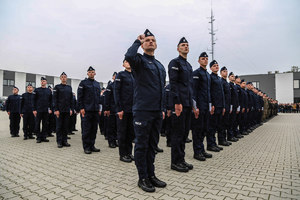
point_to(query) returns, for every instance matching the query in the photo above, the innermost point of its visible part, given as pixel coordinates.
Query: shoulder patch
(195, 77)
(175, 68)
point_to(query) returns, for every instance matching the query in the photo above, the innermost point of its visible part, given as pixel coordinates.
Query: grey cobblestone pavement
(263, 165)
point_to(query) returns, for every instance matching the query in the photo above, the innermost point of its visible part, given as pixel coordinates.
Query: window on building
(50, 84)
(30, 82)
(296, 84)
(8, 82)
(255, 84)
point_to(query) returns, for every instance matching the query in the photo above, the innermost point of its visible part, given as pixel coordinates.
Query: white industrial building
(8, 79)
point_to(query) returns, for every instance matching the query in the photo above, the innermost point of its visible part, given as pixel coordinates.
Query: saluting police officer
(181, 92)
(13, 110)
(201, 94)
(88, 97)
(217, 108)
(63, 109)
(150, 77)
(123, 95)
(42, 107)
(27, 112)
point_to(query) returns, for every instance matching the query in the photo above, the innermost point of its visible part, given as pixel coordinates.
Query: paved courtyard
(263, 165)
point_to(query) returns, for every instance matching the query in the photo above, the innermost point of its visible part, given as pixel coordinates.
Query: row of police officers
(135, 104)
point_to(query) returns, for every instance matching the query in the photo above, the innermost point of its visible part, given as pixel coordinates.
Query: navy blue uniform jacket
(181, 81)
(150, 79)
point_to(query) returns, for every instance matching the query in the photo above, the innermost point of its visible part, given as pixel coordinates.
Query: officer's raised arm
(132, 55)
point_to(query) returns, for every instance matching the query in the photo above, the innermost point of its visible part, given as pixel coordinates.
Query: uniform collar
(148, 56)
(201, 68)
(182, 58)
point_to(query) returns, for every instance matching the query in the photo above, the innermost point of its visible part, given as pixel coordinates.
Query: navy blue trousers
(199, 130)
(180, 131)
(125, 134)
(147, 125)
(89, 125)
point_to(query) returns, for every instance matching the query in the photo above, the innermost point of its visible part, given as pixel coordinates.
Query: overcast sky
(48, 37)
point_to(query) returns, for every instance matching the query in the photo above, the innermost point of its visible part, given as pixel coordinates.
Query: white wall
(74, 85)
(284, 87)
(56, 80)
(20, 81)
(38, 80)
(1, 83)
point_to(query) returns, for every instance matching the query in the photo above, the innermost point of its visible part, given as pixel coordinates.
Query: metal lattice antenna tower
(212, 32)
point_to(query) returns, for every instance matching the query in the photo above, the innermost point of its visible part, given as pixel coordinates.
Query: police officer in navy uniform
(240, 109)
(250, 107)
(27, 112)
(42, 107)
(201, 94)
(181, 92)
(149, 75)
(51, 119)
(168, 117)
(88, 97)
(225, 119)
(13, 110)
(217, 108)
(123, 95)
(73, 118)
(110, 113)
(63, 110)
(101, 117)
(234, 104)
(243, 121)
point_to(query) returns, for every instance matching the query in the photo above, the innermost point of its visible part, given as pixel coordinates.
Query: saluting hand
(141, 38)
(178, 109)
(82, 112)
(71, 112)
(8, 113)
(21, 115)
(34, 113)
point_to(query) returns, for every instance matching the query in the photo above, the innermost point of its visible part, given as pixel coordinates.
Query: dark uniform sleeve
(72, 100)
(80, 96)
(173, 70)
(34, 99)
(195, 86)
(55, 98)
(50, 101)
(7, 104)
(117, 92)
(107, 97)
(21, 104)
(133, 57)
